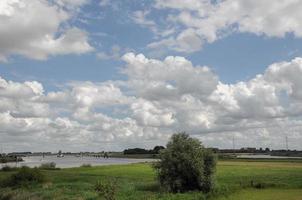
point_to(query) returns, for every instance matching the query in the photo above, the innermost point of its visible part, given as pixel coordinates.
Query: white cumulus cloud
(38, 29)
(204, 21)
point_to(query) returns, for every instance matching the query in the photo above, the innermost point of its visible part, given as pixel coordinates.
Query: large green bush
(186, 165)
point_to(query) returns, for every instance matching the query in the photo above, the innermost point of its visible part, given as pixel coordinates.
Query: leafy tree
(137, 151)
(209, 170)
(185, 165)
(157, 149)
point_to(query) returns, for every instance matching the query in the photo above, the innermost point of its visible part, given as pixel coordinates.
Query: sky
(94, 75)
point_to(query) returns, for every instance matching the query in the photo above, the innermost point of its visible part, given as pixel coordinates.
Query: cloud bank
(157, 98)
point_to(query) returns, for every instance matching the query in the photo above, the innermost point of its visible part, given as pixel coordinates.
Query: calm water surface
(73, 161)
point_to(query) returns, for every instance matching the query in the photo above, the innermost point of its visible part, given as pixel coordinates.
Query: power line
(233, 144)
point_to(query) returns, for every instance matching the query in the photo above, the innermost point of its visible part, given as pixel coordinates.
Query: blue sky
(234, 58)
(76, 49)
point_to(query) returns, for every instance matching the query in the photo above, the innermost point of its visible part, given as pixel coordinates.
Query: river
(73, 161)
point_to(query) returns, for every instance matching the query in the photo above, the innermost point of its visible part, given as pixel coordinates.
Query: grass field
(236, 180)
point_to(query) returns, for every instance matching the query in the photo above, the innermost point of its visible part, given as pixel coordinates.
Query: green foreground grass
(236, 180)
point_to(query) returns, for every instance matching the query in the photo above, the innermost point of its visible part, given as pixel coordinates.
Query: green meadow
(235, 180)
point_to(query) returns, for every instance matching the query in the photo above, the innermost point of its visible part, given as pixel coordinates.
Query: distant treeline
(280, 152)
(242, 150)
(11, 157)
(155, 150)
(286, 153)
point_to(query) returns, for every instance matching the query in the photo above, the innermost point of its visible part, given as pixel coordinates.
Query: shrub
(24, 176)
(7, 168)
(185, 165)
(48, 166)
(106, 189)
(86, 165)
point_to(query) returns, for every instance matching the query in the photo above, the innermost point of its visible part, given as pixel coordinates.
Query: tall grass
(106, 189)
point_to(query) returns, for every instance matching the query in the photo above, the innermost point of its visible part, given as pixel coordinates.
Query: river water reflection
(73, 161)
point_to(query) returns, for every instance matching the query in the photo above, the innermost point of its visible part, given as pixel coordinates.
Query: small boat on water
(60, 154)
